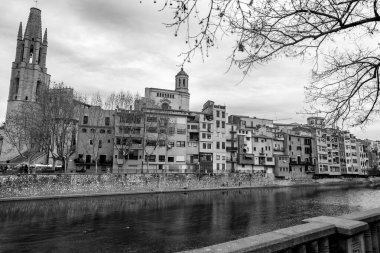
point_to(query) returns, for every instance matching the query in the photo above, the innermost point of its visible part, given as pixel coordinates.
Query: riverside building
(159, 133)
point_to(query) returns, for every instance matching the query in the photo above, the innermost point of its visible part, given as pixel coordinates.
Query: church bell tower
(29, 73)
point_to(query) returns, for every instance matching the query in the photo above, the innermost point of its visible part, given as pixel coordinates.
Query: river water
(168, 222)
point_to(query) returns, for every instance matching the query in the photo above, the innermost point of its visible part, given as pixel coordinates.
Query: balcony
(81, 161)
(246, 159)
(232, 149)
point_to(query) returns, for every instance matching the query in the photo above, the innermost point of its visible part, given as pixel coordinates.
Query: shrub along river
(169, 222)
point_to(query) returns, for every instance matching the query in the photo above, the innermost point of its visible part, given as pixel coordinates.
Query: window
(217, 145)
(161, 143)
(204, 135)
(217, 166)
(118, 141)
(151, 119)
(107, 121)
(204, 125)
(170, 159)
(152, 158)
(152, 130)
(151, 142)
(161, 158)
(171, 130)
(223, 114)
(217, 123)
(102, 131)
(217, 157)
(223, 145)
(85, 120)
(170, 144)
(181, 131)
(223, 124)
(204, 145)
(100, 144)
(181, 144)
(217, 114)
(299, 148)
(223, 166)
(92, 130)
(208, 136)
(223, 157)
(208, 145)
(84, 130)
(109, 131)
(91, 142)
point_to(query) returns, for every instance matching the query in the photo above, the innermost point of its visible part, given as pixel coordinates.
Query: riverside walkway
(352, 233)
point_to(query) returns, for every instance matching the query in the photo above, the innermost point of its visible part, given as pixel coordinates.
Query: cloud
(106, 46)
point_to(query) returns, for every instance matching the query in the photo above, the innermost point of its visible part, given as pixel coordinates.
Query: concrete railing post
(368, 241)
(300, 249)
(323, 245)
(349, 233)
(313, 247)
(375, 238)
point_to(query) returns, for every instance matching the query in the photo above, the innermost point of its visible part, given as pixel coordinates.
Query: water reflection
(167, 222)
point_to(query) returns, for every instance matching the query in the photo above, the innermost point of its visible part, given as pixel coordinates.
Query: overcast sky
(104, 46)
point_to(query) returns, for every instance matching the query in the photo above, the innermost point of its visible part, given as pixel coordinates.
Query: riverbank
(33, 187)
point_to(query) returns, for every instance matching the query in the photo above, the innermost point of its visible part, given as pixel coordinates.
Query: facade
(160, 133)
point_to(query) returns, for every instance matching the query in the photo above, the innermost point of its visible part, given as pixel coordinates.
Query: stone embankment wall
(65, 184)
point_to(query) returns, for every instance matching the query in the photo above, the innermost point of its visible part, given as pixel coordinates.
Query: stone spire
(45, 37)
(33, 29)
(19, 35)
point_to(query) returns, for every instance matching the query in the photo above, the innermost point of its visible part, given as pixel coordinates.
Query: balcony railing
(231, 149)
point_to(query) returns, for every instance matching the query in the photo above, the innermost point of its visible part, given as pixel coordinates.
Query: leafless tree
(128, 133)
(121, 100)
(23, 130)
(96, 120)
(63, 122)
(339, 36)
(159, 127)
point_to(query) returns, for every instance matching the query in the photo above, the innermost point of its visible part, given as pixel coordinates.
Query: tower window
(17, 83)
(38, 88)
(39, 56)
(165, 106)
(31, 54)
(26, 98)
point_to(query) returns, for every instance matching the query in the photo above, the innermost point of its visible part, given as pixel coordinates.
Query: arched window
(39, 56)
(22, 53)
(165, 106)
(16, 84)
(31, 54)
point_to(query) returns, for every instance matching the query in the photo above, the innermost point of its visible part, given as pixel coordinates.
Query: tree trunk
(54, 161)
(29, 165)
